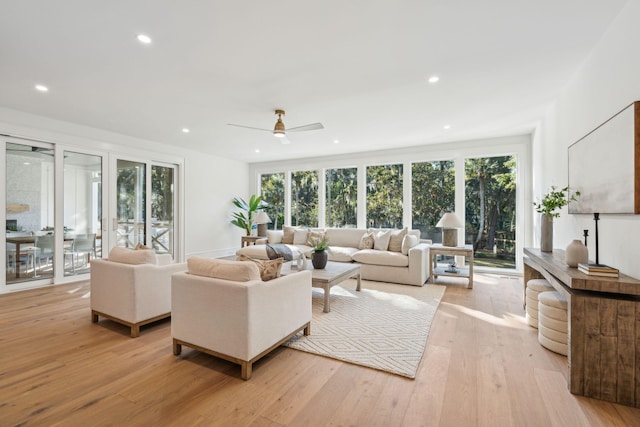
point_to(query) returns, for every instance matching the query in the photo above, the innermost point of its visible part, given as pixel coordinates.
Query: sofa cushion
(366, 241)
(274, 236)
(341, 253)
(223, 269)
(269, 269)
(300, 236)
(344, 236)
(134, 257)
(376, 257)
(395, 241)
(381, 240)
(408, 242)
(287, 234)
(314, 235)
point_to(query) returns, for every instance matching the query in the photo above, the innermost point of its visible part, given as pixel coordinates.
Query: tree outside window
(341, 207)
(433, 193)
(272, 192)
(384, 196)
(304, 198)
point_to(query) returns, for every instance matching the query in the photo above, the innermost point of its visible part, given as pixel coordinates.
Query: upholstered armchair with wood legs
(235, 315)
(134, 293)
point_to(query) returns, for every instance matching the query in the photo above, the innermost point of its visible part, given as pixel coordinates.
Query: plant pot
(546, 233)
(319, 259)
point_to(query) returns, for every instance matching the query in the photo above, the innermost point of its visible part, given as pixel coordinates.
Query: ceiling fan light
(278, 133)
(278, 130)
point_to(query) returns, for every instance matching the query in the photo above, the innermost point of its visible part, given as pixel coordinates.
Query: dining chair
(84, 244)
(42, 249)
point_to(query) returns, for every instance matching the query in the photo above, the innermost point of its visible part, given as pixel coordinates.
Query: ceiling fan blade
(249, 127)
(284, 140)
(312, 126)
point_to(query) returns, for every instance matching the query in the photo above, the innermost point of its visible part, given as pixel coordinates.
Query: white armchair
(132, 294)
(239, 320)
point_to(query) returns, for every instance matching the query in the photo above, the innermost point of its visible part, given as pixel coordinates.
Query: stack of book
(598, 270)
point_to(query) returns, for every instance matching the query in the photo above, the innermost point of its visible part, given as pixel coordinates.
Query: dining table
(26, 240)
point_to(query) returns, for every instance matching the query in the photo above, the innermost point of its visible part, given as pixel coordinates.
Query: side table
(249, 240)
(438, 249)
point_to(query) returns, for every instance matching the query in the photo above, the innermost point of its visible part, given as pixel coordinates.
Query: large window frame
(457, 152)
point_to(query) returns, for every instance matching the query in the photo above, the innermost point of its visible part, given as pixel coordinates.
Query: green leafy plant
(244, 218)
(555, 200)
(319, 244)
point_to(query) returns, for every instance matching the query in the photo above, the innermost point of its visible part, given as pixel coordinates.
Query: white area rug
(384, 326)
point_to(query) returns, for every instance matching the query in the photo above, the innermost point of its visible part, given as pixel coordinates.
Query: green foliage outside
(433, 191)
(491, 207)
(131, 188)
(304, 198)
(162, 193)
(384, 196)
(272, 191)
(342, 197)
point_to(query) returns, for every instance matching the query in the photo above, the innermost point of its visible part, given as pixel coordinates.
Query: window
(433, 194)
(490, 200)
(162, 207)
(341, 197)
(384, 196)
(272, 191)
(304, 198)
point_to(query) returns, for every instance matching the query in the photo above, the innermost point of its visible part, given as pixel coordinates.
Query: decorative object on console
(576, 253)
(586, 234)
(262, 219)
(244, 219)
(598, 270)
(548, 207)
(449, 224)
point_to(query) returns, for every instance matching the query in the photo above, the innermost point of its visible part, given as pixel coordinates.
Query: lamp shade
(449, 220)
(261, 218)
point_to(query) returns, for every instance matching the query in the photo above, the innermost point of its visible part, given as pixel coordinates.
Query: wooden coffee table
(333, 274)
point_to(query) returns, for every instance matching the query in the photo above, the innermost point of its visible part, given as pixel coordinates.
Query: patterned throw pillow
(269, 270)
(287, 234)
(366, 241)
(395, 242)
(141, 246)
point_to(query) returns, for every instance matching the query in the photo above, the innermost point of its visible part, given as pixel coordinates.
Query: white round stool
(534, 288)
(552, 322)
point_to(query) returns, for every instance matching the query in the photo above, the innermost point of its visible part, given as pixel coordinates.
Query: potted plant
(549, 206)
(244, 218)
(319, 257)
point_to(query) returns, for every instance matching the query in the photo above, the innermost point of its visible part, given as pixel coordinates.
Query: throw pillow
(381, 240)
(300, 236)
(314, 236)
(366, 241)
(274, 236)
(130, 256)
(141, 246)
(223, 269)
(408, 242)
(287, 234)
(268, 269)
(395, 241)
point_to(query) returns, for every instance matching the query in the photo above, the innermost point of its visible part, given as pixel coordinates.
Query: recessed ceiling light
(257, 150)
(336, 141)
(434, 79)
(447, 127)
(42, 88)
(143, 38)
(185, 130)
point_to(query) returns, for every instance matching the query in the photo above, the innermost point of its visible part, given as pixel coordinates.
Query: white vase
(576, 253)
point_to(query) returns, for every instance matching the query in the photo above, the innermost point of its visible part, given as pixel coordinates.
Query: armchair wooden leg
(94, 317)
(135, 331)
(307, 329)
(247, 368)
(177, 348)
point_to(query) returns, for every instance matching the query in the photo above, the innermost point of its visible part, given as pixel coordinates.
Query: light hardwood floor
(482, 366)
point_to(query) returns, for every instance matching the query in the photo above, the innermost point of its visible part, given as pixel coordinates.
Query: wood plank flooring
(482, 366)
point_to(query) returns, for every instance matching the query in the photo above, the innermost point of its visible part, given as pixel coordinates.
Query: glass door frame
(178, 206)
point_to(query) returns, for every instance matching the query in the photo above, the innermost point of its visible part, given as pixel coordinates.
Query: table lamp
(449, 224)
(262, 219)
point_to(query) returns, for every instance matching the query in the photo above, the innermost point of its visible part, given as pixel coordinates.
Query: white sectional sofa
(406, 262)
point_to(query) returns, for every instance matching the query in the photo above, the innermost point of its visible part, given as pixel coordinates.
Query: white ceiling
(357, 66)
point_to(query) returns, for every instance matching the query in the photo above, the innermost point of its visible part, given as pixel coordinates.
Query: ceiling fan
(279, 130)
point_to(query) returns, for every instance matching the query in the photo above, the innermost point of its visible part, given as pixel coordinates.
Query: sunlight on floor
(510, 320)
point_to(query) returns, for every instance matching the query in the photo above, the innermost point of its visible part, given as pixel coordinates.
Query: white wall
(210, 182)
(607, 82)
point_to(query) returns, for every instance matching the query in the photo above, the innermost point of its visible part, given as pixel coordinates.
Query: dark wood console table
(604, 327)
